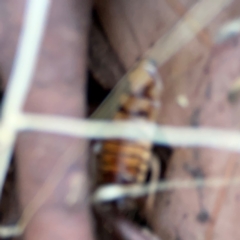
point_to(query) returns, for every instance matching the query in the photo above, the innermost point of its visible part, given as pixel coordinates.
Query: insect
(127, 161)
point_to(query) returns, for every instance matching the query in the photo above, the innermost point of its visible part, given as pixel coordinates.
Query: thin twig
(185, 30)
(140, 130)
(114, 191)
(21, 75)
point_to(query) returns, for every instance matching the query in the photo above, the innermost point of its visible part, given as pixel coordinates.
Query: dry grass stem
(114, 191)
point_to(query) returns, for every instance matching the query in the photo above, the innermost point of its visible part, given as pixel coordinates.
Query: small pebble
(182, 101)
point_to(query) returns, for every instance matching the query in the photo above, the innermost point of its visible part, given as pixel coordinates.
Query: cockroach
(127, 161)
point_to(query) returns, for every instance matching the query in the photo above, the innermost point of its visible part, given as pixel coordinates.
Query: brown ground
(202, 71)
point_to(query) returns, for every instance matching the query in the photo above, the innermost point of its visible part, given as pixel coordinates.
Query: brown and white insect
(127, 161)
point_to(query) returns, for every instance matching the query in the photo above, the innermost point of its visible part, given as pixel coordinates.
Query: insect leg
(155, 171)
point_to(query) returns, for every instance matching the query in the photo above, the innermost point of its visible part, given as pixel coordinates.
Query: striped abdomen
(125, 161)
